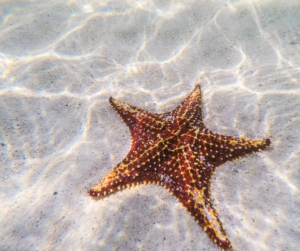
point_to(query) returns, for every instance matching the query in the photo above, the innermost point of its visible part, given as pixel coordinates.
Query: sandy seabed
(60, 61)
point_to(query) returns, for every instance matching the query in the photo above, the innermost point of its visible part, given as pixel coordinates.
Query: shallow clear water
(60, 61)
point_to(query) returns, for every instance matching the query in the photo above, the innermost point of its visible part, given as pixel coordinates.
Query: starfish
(176, 150)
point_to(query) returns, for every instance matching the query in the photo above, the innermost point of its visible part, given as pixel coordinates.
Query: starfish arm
(190, 109)
(195, 199)
(122, 176)
(217, 149)
(143, 125)
(143, 164)
(188, 178)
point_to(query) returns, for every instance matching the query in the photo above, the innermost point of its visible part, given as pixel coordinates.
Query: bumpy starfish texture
(176, 150)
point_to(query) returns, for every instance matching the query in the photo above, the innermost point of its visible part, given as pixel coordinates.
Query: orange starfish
(176, 150)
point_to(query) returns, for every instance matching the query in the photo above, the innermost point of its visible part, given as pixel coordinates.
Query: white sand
(62, 60)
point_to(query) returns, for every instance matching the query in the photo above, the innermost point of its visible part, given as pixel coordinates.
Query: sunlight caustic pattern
(176, 150)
